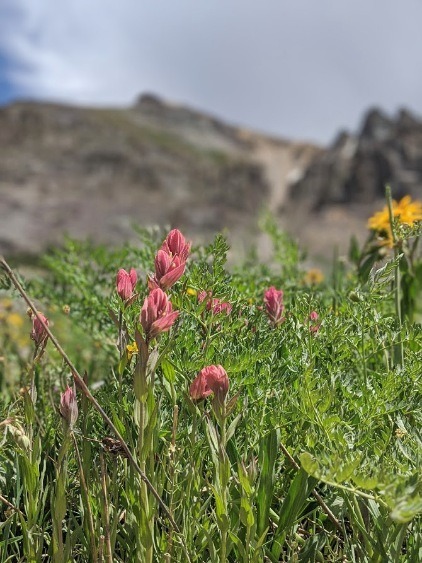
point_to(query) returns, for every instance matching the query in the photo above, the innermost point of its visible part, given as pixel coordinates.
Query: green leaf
(231, 429)
(309, 464)
(298, 492)
(406, 509)
(168, 371)
(268, 451)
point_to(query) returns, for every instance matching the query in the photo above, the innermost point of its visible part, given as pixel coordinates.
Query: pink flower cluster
(157, 313)
(210, 380)
(170, 261)
(214, 304)
(274, 306)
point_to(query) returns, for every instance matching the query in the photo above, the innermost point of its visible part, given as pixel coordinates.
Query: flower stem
(398, 347)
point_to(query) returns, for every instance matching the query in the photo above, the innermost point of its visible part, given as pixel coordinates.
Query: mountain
(96, 172)
(345, 183)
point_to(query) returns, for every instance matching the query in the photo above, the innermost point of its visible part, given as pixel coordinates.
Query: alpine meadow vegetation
(159, 406)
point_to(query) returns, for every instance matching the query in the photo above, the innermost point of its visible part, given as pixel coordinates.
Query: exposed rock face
(356, 168)
(344, 184)
(93, 173)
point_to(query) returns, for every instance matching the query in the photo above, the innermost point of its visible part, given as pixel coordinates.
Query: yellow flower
(380, 221)
(6, 304)
(406, 212)
(191, 291)
(14, 320)
(314, 276)
(131, 349)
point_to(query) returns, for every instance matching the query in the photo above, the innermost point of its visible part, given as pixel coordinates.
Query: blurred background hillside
(204, 117)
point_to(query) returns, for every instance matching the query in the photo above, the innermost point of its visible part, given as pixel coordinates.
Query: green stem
(59, 503)
(365, 371)
(223, 456)
(398, 348)
(87, 504)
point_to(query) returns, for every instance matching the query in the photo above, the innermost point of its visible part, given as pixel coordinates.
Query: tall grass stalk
(398, 347)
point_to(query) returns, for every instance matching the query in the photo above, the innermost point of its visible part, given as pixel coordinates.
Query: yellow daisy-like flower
(406, 211)
(409, 212)
(131, 349)
(314, 276)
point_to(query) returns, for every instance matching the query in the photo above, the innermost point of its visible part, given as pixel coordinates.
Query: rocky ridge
(96, 172)
(346, 182)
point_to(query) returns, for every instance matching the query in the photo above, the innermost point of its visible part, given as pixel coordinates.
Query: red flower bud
(69, 407)
(273, 299)
(211, 379)
(39, 334)
(168, 270)
(313, 318)
(214, 304)
(176, 245)
(157, 314)
(125, 283)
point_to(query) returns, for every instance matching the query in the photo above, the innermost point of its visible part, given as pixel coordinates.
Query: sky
(301, 69)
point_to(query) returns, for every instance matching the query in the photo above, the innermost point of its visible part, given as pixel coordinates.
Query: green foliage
(336, 399)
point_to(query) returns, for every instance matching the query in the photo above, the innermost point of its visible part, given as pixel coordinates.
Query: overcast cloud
(296, 68)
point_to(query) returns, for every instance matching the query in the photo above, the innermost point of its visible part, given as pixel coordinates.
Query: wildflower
(125, 283)
(314, 276)
(157, 314)
(15, 320)
(176, 245)
(210, 380)
(170, 261)
(191, 291)
(168, 270)
(6, 304)
(406, 212)
(39, 334)
(131, 349)
(66, 309)
(214, 304)
(69, 407)
(313, 319)
(273, 299)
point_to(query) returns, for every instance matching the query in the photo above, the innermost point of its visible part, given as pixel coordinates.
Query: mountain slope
(94, 172)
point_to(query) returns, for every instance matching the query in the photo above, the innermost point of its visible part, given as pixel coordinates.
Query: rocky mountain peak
(356, 167)
(377, 126)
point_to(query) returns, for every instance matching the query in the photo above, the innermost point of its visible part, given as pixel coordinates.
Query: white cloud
(302, 68)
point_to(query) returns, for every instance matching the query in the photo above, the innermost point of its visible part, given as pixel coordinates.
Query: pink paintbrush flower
(39, 334)
(273, 299)
(125, 283)
(157, 314)
(176, 245)
(214, 304)
(69, 406)
(210, 380)
(168, 270)
(313, 322)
